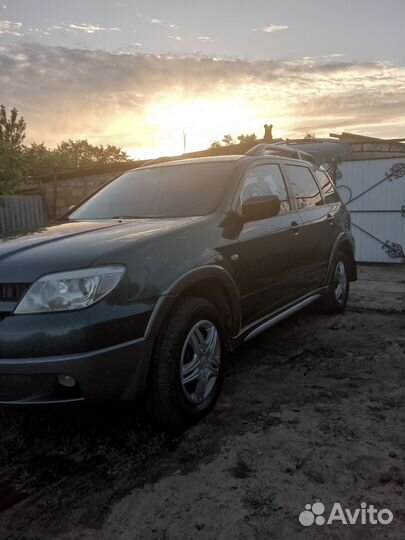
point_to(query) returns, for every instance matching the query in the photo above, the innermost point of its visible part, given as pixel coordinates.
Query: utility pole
(184, 141)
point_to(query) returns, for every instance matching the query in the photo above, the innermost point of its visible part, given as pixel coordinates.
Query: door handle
(296, 227)
(331, 218)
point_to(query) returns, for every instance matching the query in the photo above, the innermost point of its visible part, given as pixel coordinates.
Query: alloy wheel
(200, 361)
(340, 282)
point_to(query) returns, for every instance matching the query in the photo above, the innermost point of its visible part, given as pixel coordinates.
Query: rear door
(268, 249)
(318, 227)
(336, 215)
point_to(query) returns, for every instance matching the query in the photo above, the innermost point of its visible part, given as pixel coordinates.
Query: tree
(245, 139)
(81, 153)
(40, 158)
(215, 144)
(71, 154)
(12, 129)
(17, 160)
(12, 163)
(13, 170)
(228, 139)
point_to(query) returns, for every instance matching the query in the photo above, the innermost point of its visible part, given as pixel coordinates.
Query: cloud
(82, 27)
(11, 28)
(66, 92)
(271, 28)
(176, 38)
(88, 28)
(205, 38)
(160, 22)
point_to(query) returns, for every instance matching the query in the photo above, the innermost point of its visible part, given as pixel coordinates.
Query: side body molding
(189, 279)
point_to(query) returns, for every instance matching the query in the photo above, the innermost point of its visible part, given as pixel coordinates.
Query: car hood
(74, 244)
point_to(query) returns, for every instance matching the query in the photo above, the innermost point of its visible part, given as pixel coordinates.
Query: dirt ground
(314, 409)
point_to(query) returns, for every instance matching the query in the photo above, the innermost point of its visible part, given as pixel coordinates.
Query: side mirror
(260, 208)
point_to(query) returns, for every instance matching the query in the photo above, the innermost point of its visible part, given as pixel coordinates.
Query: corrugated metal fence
(375, 198)
(21, 212)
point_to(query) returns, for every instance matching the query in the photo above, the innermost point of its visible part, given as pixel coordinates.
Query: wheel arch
(213, 283)
(343, 243)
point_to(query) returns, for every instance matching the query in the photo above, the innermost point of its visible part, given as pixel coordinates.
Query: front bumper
(116, 372)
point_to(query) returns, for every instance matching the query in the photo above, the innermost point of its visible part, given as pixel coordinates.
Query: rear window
(173, 191)
(304, 187)
(327, 187)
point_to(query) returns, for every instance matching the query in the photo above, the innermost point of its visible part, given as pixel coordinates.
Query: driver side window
(263, 181)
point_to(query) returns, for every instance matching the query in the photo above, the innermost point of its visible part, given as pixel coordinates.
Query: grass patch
(259, 503)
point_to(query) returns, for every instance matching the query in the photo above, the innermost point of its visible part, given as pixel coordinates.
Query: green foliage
(12, 129)
(71, 154)
(248, 138)
(259, 503)
(81, 153)
(215, 144)
(40, 158)
(13, 168)
(228, 140)
(18, 160)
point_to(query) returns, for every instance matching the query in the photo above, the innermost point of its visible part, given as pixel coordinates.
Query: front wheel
(187, 364)
(335, 299)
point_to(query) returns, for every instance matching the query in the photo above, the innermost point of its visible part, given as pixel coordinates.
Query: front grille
(13, 292)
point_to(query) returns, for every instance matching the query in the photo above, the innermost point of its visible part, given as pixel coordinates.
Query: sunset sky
(139, 73)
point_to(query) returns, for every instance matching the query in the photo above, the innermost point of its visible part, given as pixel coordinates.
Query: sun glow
(192, 124)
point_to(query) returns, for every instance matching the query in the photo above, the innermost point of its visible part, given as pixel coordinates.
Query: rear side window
(304, 187)
(327, 187)
(263, 181)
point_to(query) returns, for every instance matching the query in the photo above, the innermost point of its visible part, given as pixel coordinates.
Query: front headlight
(64, 291)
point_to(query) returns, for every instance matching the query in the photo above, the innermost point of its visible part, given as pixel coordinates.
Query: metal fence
(374, 193)
(21, 213)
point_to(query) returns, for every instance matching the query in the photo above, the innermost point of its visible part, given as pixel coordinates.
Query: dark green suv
(144, 287)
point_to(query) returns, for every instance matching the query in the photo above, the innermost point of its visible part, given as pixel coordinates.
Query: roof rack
(155, 161)
(279, 149)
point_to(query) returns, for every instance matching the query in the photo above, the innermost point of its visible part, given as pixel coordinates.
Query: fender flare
(347, 239)
(188, 279)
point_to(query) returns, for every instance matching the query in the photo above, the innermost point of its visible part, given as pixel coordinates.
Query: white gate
(374, 193)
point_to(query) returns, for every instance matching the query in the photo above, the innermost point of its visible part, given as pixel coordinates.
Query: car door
(268, 249)
(335, 214)
(317, 223)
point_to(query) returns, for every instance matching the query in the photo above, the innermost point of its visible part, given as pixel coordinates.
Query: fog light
(67, 381)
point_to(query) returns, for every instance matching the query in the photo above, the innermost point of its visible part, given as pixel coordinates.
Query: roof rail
(155, 161)
(279, 149)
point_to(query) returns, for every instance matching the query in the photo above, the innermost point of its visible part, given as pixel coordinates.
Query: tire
(335, 299)
(185, 384)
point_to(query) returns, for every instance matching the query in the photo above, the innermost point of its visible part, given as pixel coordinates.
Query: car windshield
(171, 191)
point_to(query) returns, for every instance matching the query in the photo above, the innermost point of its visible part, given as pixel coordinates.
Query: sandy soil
(313, 409)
